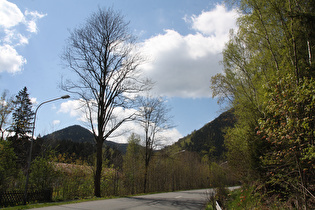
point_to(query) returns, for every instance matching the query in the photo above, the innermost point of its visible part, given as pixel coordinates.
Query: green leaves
(288, 127)
(268, 80)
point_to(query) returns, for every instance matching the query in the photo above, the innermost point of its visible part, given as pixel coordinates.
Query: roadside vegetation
(269, 81)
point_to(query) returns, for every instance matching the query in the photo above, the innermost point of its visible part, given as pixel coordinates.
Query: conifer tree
(23, 114)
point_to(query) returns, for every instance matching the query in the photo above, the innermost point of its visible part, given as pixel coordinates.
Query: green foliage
(74, 150)
(20, 147)
(289, 130)
(133, 166)
(208, 140)
(238, 156)
(42, 174)
(275, 38)
(73, 181)
(8, 166)
(245, 198)
(221, 176)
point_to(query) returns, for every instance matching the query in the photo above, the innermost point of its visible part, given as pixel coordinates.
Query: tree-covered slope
(210, 138)
(75, 133)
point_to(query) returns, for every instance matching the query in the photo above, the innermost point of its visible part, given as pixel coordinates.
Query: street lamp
(31, 148)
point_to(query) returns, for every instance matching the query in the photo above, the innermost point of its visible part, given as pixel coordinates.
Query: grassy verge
(245, 197)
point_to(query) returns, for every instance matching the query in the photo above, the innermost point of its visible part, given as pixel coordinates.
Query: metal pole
(31, 147)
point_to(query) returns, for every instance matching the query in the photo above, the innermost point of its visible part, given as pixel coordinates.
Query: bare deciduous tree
(153, 117)
(102, 54)
(6, 107)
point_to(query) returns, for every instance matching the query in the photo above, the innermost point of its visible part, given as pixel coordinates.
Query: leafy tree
(43, 174)
(102, 54)
(133, 165)
(8, 167)
(273, 40)
(289, 130)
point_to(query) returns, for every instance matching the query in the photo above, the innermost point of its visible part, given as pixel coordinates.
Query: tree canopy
(268, 80)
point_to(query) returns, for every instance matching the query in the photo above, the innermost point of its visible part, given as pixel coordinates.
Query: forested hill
(78, 134)
(210, 138)
(75, 133)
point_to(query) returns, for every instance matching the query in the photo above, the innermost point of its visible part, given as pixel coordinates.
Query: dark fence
(14, 198)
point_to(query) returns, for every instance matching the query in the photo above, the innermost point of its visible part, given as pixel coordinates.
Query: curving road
(192, 199)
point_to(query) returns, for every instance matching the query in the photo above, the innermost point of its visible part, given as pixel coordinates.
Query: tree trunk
(145, 179)
(98, 172)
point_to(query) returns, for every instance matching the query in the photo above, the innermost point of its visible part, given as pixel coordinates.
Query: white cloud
(12, 35)
(10, 60)
(182, 65)
(74, 108)
(33, 16)
(217, 22)
(10, 14)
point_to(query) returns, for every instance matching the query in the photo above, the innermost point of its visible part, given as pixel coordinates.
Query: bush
(8, 167)
(42, 174)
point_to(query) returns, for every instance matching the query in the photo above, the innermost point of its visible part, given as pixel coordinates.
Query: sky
(184, 40)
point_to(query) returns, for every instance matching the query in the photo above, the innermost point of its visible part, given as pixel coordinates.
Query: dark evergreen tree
(23, 115)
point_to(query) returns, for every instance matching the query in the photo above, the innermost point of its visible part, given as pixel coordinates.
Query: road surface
(192, 199)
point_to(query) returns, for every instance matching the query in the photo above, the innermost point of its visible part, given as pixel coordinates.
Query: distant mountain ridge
(79, 134)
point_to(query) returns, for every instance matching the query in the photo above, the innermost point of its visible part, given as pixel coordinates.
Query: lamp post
(31, 147)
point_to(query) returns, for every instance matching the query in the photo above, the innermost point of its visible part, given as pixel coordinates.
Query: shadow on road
(165, 202)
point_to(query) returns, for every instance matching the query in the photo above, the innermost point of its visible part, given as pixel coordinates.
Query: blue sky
(183, 38)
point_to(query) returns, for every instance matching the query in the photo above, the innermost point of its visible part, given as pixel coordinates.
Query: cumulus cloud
(10, 60)
(74, 108)
(10, 14)
(182, 65)
(217, 22)
(13, 35)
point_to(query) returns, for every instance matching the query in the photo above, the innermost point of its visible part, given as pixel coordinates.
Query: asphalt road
(192, 199)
